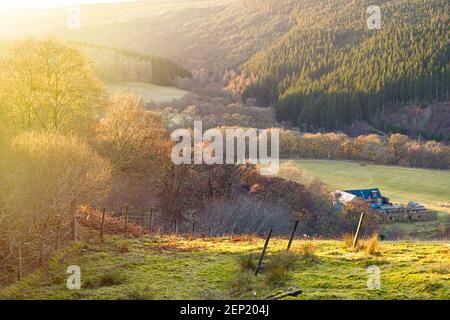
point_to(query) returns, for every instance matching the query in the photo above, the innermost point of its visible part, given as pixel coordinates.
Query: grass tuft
(347, 240)
(277, 272)
(243, 282)
(371, 245)
(109, 279)
(308, 250)
(247, 262)
(138, 294)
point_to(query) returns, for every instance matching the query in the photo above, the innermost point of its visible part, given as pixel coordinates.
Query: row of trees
(396, 149)
(116, 65)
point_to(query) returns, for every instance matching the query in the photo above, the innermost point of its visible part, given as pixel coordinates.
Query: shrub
(277, 275)
(42, 175)
(244, 214)
(247, 262)
(243, 282)
(285, 259)
(277, 270)
(131, 137)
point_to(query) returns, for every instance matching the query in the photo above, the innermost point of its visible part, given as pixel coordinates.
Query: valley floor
(147, 91)
(181, 268)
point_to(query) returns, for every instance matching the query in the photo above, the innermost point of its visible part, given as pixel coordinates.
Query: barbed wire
(20, 254)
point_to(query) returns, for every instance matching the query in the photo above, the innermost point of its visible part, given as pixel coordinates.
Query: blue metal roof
(366, 194)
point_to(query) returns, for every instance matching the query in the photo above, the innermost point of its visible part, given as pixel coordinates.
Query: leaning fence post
(74, 221)
(103, 223)
(19, 264)
(263, 252)
(126, 220)
(292, 235)
(355, 241)
(151, 220)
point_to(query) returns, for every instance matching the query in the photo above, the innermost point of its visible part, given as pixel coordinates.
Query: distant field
(149, 92)
(401, 185)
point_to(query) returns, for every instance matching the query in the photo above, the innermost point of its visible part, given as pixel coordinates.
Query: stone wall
(407, 216)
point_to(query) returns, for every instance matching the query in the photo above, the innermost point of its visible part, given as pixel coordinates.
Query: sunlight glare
(42, 4)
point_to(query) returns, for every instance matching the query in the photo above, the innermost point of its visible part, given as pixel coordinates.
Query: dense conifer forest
(332, 73)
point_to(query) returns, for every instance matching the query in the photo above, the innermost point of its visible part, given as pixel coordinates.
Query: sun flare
(32, 4)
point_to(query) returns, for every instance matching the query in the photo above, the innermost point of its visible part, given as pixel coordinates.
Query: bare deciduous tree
(50, 86)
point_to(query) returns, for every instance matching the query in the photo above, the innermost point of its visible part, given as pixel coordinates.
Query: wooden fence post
(151, 220)
(58, 233)
(209, 231)
(41, 254)
(193, 228)
(19, 264)
(126, 220)
(292, 235)
(74, 221)
(103, 223)
(263, 252)
(355, 241)
(176, 226)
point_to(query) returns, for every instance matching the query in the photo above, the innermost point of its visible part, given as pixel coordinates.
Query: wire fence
(21, 255)
(23, 252)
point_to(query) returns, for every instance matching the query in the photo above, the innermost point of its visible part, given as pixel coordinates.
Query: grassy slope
(175, 268)
(148, 92)
(400, 184)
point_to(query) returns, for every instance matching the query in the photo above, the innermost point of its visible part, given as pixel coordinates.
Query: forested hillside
(330, 70)
(115, 65)
(315, 61)
(209, 39)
